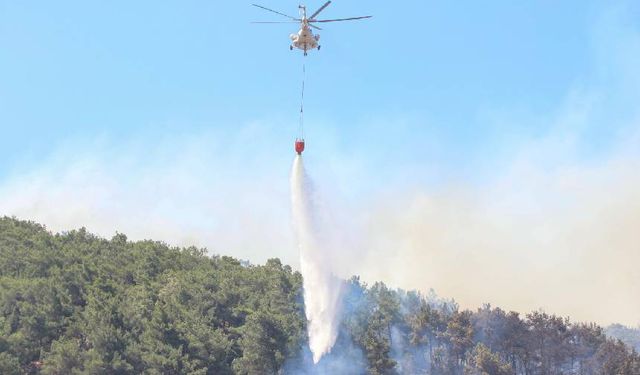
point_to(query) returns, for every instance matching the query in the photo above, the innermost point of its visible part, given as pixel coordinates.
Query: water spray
(322, 289)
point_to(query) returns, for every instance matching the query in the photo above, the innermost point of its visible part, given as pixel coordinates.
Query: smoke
(322, 289)
(563, 239)
(186, 189)
(345, 358)
(553, 224)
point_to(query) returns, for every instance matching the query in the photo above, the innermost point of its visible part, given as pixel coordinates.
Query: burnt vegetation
(77, 303)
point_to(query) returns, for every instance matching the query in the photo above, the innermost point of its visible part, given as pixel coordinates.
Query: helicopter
(304, 39)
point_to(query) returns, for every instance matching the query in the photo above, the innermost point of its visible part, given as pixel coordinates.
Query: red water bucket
(299, 146)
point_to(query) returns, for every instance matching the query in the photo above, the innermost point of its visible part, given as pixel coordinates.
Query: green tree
(9, 364)
(263, 345)
(377, 345)
(484, 362)
(459, 335)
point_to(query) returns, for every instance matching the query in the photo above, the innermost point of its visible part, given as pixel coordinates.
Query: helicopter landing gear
(319, 47)
(290, 48)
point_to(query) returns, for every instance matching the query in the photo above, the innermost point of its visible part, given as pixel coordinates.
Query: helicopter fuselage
(305, 39)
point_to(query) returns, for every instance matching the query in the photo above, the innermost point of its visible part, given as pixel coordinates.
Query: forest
(76, 303)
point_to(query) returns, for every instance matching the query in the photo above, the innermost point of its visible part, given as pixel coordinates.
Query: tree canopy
(75, 303)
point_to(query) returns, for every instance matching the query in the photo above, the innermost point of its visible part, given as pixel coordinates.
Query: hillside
(629, 336)
(77, 303)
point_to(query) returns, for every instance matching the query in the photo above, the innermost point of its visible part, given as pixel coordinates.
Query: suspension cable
(302, 103)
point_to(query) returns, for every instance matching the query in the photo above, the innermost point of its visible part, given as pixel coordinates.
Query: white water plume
(322, 289)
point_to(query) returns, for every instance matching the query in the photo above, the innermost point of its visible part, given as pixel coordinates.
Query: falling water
(322, 289)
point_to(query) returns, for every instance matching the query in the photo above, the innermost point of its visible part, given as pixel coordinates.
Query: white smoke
(322, 289)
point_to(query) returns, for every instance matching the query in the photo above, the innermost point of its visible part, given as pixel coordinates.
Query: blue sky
(452, 141)
(81, 69)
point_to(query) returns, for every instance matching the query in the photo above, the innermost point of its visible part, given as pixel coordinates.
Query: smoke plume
(322, 289)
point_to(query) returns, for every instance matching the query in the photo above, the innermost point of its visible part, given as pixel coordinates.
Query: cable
(302, 103)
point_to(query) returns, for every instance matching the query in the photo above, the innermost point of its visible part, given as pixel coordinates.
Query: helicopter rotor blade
(342, 19)
(315, 27)
(273, 11)
(313, 16)
(275, 21)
